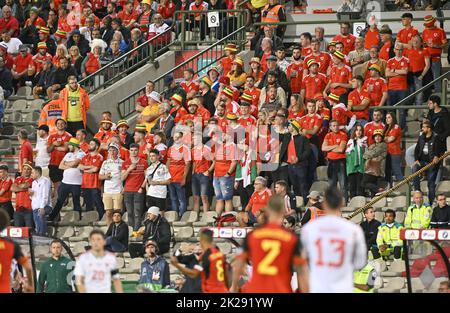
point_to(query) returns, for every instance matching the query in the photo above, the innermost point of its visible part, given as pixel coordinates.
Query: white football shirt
(335, 248)
(97, 271)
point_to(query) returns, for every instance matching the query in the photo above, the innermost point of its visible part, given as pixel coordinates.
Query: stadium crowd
(251, 130)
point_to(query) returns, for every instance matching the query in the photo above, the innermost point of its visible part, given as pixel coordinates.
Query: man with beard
(294, 71)
(155, 269)
(104, 135)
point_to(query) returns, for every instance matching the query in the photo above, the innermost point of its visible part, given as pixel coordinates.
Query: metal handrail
(122, 103)
(123, 59)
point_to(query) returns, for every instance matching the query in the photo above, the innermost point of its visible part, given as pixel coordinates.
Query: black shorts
(56, 175)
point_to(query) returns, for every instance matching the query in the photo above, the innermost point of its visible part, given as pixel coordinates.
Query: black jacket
(46, 78)
(282, 80)
(159, 231)
(128, 141)
(83, 45)
(209, 98)
(167, 128)
(6, 79)
(370, 231)
(119, 232)
(192, 285)
(433, 148)
(441, 126)
(60, 76)
(440, 217)
(302, 148)
(51, 46)
(255, 43)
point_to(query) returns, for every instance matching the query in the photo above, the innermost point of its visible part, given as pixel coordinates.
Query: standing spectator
(376, 86)
(155, 269)
(418, 215)
(374, 125)
(274, 12)
(323, 59)
(406, 34)
(334, 146)
(393, 137)
(346, 38)
(314, 82)
(74, 104)
(23, 215)
(355, 161)
(157, 179)
(41, 200)
(126, 139)
(26, 149)
(57, 147)
(201, 177)
(371, 35)
(360, 55)
(6, 79)
(90, 166)
(441, 213)
(319, 32)
(133, 176)
(110, 173)
(179, 164)
(419, 64)
(387, 48)
(370, 229)
(434, 39)
(374, 169)
(388, 238)
(440, 119)
(72, 178)
(280, 75)
(117, 234)
(165, 122)
(426, 151)
(340, 77)
(42, 158)
(6, 192)
(294, 71)
(55, 272)
(282, 63)
(359, 100)
(156, 228)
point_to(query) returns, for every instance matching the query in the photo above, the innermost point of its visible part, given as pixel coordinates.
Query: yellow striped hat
(339, 55)
(231, 117)
(239, 61)
(122, 123)
(228, 92)
(295, 124)
(378, 132)
(61, 34)
(207, 81)
(42, 45)
(140, 127)
(177, 98)
(429, 20)
(74, 142)
(333, 97)
(246, 97)
(375, 67)
(311, 62)
(44, 30)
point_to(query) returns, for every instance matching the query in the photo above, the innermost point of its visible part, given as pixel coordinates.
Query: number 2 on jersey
(339, 248)
(272, 249)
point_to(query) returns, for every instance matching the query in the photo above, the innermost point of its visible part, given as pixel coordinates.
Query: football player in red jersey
(10, 250)
(212, 266)
(273, 252)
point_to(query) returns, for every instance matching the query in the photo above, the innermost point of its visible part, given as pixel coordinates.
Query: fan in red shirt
(374, 125)
(34, 19)
(245, 119)
(57, 147)
(408, 31)
(359, 100)
(311, 123)
(314, 82)
(23, 217)
(393, 138)
(189, 85)
(322, 58)
(167, 9)
(254, 211)
(212, 266)
(386, 40)
(23, 68)
(7, 58)
(230, 54)
(372, 37)
(294, 71)
(419, 65)
(90, 166)
(9, 22)
(305, 42)
(177, 111)
(340, 76)
(396, 72)
(128, 15)
(104, 135)
(220, 116)
(346, 38)
(41, 57)
(296, 110)
(26, 149)
(376, 86)
(10, 250)
(252, 92)
(274, 252)
(339, 111)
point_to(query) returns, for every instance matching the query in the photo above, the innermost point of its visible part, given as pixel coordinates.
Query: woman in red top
(393, 138)
(296, 109)
(91, 62)
(61, 52)
(419, 64)
(255, 70)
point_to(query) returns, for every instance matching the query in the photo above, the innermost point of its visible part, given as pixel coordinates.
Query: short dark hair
(333, 198)
(207, 234)
(378, 110)
(83, 131)
(290, 219)
(367, 209)
(359, 77)
(276, 204)
(134, 145)
(435, 99)
(282, 183)
(38, 169)
(155, 151)
(307, 35)
(55, 241)
(4, 219)
(97, 232)
(23, 134)
(345, 23)
(107, 112)
(97, 142)
(389, 211)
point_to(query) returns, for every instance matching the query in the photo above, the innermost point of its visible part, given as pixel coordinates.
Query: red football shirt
(201, 156)
(393, 147)
(90, 180)
(405, 35)
(375, 87)
(178, 155)
(5, 184)
(372, 38)
(308, 122)
(369, 128)
(295, 82)
(224, 155)
(416, 59)
(355, 98)
(23, 199)
(9, 250)
(384, 51)
(340, 75)
(259, 200)
(335, 139)
(22, 63)
(190, 86)
(324, 60)
(126, 18)
(435, 36)
(273, 251)
(348, 41)
(57, 156)
(340, 113)
(136, 177)
(26, 152)
(398, 82)
(314, 85)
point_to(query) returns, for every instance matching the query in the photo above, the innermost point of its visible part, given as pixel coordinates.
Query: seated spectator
(254, 211)
(23, 69)
(12, 43)
(128, 15)
(427, 150)
(266, 96)
(237, 74)
(314, 209)
(113, 52)
(61, 53)
(388, 238)
(60, 77)
(6, 79)
(123, 45)
(156, 228)
(374, 168)
(441, 213)
(351, 6)
(76, 59)
(370, 228)
(117, 234)
(158, 27)
(155, 269)
(418, 215)
(9, 22)
(92, 62)
(9, 60)
(355, 161)
(256, 41)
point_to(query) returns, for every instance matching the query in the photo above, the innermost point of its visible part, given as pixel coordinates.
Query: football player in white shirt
(96, 268)
(334, 247)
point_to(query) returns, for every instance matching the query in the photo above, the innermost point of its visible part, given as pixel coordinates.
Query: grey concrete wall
(106, 100)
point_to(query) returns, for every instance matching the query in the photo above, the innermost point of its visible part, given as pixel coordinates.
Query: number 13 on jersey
(335, 249)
